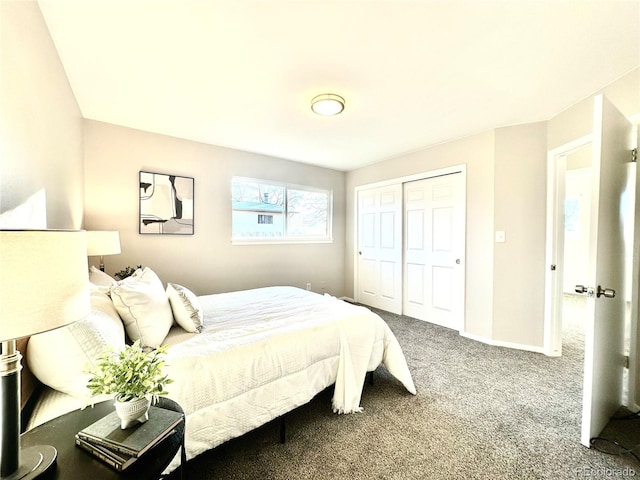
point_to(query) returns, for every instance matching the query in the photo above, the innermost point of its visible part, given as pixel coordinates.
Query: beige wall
(40, 122)
(205, 262)
(520, 211)
(571, 124)
(577, 120)
(477, 152)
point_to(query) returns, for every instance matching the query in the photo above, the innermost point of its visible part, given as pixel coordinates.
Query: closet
(410, 246)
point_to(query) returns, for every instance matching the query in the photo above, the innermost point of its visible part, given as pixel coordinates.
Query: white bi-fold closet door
(411, 242)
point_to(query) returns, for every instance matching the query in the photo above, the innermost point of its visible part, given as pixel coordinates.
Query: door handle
(607, 292)
(590, 291)
(596, 292)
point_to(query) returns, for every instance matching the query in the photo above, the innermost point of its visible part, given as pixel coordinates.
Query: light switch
(501, 237)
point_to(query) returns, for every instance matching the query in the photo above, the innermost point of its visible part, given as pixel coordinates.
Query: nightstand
(73, 462)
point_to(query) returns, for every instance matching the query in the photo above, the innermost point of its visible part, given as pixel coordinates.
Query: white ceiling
(241, 74)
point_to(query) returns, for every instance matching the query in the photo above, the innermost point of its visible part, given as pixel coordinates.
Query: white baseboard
(488, 341)
(348, 299)
(499, 343)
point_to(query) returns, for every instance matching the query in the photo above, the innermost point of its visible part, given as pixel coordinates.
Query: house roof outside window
(257, 207)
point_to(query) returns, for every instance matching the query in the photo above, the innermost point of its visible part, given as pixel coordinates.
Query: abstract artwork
(166, 204)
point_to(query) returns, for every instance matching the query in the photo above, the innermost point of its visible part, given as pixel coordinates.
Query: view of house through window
(268, 211)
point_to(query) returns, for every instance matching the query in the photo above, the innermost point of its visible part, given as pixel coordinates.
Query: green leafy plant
(127, 272)
(131, 373)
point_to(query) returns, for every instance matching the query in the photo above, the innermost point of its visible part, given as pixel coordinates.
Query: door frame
(460, 168)
(556, 173)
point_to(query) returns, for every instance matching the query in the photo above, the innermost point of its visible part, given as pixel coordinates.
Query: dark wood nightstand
(74, 463)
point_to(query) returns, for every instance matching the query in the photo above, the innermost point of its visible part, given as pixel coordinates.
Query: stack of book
(121, 448)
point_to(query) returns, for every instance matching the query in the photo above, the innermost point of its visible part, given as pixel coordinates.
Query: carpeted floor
(481, 412)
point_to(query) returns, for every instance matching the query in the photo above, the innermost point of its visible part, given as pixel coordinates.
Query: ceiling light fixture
(327, 104)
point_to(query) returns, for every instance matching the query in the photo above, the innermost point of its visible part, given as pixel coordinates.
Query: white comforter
(266, 351)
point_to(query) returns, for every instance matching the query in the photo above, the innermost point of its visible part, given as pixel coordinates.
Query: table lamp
(103, 242)
(43, 285)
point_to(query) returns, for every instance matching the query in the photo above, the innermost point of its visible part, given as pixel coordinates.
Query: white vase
(132, 412)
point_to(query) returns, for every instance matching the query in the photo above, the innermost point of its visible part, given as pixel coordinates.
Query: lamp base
(34, 461)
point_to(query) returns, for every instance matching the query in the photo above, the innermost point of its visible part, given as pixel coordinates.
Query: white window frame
(328, 238)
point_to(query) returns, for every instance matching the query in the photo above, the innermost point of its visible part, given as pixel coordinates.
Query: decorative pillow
(59, 358)
(144, 307)
(186, 307)
(99, 278)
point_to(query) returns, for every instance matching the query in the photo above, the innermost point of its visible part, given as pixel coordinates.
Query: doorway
(603, 286)
(577, 216)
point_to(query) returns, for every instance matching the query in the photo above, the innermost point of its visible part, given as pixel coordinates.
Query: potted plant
(135, 377)
(127, 272)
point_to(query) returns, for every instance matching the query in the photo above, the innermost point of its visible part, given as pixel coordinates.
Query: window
(265, 219)
(275, 212)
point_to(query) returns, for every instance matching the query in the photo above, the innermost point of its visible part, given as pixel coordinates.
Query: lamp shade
(103, 242)
(43, 281)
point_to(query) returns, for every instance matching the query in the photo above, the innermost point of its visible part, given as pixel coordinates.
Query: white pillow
(100, 279)
(59, 358)
(144, 307)
(186, 307)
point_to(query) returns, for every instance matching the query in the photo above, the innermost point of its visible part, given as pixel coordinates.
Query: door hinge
(634, 155)
(626, 361)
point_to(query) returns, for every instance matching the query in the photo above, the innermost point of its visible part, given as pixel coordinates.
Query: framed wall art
(166, 204)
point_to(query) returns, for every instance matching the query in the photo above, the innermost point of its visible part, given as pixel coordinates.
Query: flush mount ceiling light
(327, 104)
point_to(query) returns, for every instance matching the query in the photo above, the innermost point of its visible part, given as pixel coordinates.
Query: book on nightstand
(120, 448)
(118, 461)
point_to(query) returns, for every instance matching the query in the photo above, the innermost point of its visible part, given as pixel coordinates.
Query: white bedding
(266, 351)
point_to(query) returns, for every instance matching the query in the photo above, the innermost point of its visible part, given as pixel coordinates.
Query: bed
(250, 357)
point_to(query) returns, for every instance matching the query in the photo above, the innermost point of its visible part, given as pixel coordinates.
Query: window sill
(279, 242)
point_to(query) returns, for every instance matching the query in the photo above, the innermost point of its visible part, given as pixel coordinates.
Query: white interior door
(604, 334)
(380, 248)
(433, 250)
